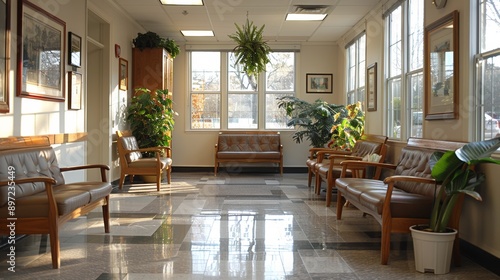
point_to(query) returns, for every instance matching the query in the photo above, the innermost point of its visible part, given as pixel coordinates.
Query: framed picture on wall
(123, 74)
(319, 83)
(74, 49)
(4, 55)
(441, 58)
(74, 90)
(371, 87)
(40, 53)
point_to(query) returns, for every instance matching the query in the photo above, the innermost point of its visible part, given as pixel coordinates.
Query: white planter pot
(433, 250)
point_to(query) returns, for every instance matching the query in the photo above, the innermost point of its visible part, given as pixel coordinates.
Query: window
(280, 81)
(404, 75)
(355, 52)
(205, 90)
(223, 97)
(488, 70)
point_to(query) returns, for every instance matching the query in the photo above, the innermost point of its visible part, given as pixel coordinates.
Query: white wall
(29, 117)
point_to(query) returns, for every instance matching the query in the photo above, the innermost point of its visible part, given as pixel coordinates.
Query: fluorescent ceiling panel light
(304, 17)
(197, 33)
(182, 2)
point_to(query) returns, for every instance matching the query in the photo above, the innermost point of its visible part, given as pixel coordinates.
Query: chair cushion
(130, 143)
(150, 162)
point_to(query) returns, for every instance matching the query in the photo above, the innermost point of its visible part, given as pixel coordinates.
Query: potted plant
(456, 172)
(153, 40)
(349, 127)
(151, 118)
(251, 50)
(322, 123)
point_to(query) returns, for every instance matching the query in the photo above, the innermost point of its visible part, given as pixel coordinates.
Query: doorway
(98, 94)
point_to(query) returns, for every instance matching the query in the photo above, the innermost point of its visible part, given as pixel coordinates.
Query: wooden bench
(248, 146)
(35, 199)
(403, 199)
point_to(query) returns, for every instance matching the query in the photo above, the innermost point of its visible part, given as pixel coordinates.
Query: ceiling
(220, 16)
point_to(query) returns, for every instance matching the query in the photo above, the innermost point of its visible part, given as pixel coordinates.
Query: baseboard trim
(481, 257)
(246, 169)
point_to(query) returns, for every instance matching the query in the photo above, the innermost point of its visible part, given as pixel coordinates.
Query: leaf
(478, 150)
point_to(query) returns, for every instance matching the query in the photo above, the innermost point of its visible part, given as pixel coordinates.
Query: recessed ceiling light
(197, 33)
(317, 17)
(182, 2)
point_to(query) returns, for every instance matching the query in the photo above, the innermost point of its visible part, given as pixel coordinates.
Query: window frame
(410, 122)
(357, 92)
(224, 94)
(482, 106)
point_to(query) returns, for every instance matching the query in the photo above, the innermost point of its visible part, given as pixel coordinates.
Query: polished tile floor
(233, 226)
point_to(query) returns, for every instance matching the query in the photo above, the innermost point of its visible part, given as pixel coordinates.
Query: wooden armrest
(88, 166)
(401, 178)
(28, 180)
(103, 168)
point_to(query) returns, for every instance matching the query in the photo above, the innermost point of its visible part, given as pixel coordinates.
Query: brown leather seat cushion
(371, 194)
(68, 198)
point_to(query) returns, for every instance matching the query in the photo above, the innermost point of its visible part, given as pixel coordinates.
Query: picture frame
(441, 50)
(74, 49)
(123, 74)
(319, 83)
(40, 70)
(371, 87)
(75, 90)
(4, 55)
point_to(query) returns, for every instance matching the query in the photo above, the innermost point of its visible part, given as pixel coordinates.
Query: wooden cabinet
(152, 69)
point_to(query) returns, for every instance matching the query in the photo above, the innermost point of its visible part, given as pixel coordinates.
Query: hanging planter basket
(251, 51)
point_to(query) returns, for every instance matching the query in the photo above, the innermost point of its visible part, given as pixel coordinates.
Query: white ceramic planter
(433, 250)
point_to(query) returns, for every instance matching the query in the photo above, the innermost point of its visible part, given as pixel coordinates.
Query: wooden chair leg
(329, 190)
(339, 205)
(457, 259)
(385, 245)
(122, 180)
(309, 177)
(105, 214)
(317, 185)
(55, 248)
(169, 175)
(158, 181)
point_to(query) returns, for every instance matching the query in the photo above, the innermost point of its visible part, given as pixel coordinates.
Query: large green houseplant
(151, 117)
(456, 172)
(321, 123)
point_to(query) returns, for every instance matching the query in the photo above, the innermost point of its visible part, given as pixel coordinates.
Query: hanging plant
(251, 52)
